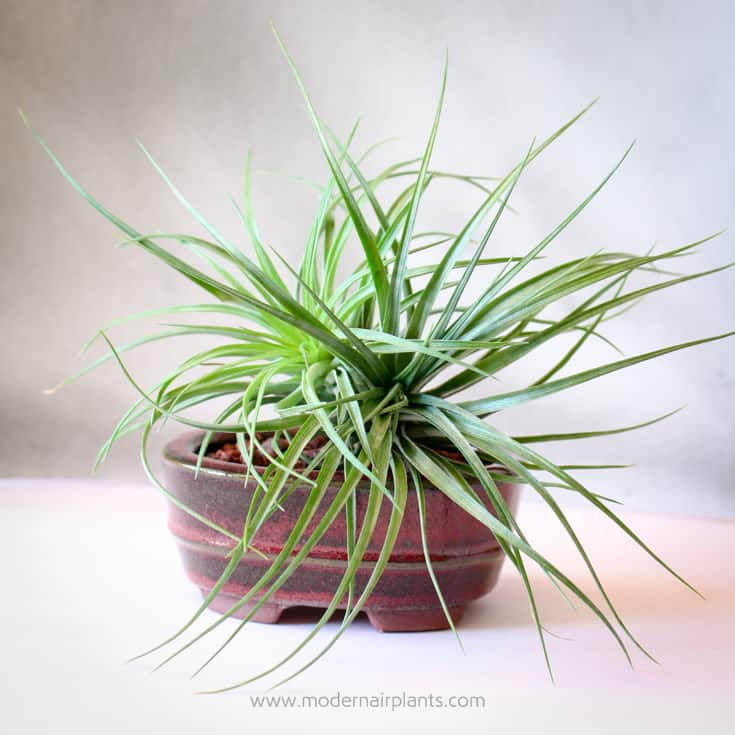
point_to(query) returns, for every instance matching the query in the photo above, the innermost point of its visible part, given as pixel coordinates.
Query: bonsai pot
(465, 556)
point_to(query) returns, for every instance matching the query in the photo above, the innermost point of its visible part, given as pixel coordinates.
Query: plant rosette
(365, 478)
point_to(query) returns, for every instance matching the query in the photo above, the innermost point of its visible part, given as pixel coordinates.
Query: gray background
(201, 83)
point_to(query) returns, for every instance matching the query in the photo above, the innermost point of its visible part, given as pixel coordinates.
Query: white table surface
(91, 577)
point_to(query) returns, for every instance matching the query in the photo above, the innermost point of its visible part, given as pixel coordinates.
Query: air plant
(375, 364)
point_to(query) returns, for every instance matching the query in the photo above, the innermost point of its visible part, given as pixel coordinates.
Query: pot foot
(407, 621)
(266, 613)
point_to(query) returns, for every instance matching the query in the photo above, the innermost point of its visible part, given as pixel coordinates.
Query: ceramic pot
(466, 558)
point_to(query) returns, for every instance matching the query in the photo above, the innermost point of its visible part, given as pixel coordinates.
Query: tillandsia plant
(373, 365)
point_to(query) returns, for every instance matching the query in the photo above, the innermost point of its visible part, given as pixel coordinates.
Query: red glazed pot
(466, 557)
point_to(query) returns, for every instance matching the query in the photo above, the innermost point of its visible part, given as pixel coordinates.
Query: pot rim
(182, 450)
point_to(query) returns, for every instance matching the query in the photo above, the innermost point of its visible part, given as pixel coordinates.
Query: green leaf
(367, 239)
(504, 400)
